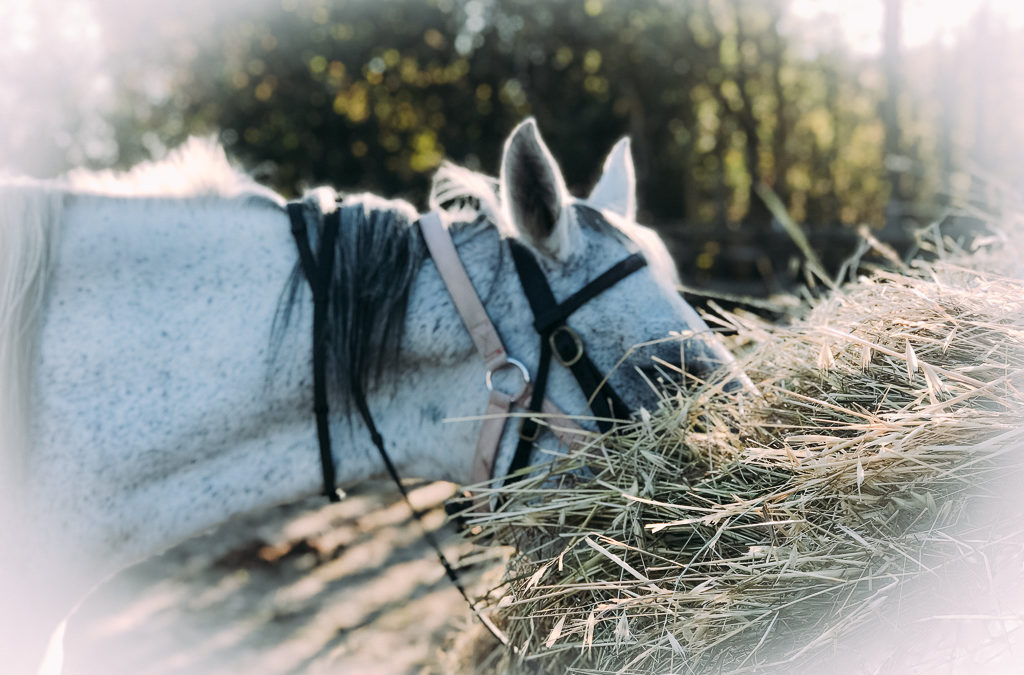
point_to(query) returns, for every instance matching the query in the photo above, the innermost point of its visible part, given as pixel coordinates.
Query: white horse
(144, 396)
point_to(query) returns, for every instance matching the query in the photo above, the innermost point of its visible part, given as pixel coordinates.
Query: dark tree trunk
(893, 29)
(780, 135)
(757, 212)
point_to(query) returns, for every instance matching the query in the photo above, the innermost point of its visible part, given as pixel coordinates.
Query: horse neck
(160, 409)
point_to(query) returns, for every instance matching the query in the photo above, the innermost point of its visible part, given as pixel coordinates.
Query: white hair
(462, 194)
(28, 213)
(197, 168)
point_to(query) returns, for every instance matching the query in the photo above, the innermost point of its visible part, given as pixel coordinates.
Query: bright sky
(923, 20)
(860, 20)
(70, 21)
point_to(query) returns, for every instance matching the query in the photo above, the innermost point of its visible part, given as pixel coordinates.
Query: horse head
(637, 331)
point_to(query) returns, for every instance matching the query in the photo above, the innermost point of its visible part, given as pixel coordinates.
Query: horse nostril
(661, 373)
(684, 369)
(675, 364)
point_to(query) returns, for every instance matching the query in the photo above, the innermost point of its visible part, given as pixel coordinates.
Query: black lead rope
(378, 441)
(557, 338)
(318, 274)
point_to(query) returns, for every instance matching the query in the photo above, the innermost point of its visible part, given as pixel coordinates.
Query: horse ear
(616, 189)
(533, 191)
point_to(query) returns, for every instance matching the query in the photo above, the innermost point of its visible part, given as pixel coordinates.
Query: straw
(726, 532)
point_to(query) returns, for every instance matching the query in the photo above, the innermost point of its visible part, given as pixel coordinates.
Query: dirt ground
(308, 588)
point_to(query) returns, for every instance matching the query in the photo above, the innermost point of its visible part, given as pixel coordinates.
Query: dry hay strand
(731, 532)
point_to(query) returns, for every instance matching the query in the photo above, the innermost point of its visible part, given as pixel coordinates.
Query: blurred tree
(717, 96)
(890, 105)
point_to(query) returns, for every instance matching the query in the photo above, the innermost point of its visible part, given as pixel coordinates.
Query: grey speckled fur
(160, 408)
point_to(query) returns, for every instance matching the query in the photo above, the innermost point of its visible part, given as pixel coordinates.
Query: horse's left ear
(616, 189)
(533, 192)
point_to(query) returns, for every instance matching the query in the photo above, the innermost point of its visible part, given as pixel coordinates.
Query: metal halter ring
(489, 378)
(575, 338)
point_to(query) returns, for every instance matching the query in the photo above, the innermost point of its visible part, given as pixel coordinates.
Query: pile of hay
(728, 532)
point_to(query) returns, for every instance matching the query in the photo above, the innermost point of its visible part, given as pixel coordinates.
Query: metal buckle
(575, 338)
(536, 430)
(489, 377)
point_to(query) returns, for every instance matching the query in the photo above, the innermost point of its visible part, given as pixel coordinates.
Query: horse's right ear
(533, 192)
(616, 190)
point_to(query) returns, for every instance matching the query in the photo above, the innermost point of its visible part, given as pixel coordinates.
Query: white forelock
(462, 194)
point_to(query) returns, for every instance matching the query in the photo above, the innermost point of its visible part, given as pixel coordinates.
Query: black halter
(558, 338)
(318, 273)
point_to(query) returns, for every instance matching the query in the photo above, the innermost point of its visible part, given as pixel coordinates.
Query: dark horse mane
(377, 255)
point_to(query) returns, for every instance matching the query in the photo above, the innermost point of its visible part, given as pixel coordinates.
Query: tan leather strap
(466, 300)
(491, 429)
(564, 428)
(491, 348)
(481, 330)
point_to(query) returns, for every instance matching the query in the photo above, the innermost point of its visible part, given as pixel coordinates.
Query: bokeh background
(883, 112)
(892, 114)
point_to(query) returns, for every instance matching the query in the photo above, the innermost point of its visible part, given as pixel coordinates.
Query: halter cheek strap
(558, 339)
(490, 346)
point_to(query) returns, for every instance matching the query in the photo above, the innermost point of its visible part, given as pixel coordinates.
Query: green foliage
(719, 96)
(372, 96)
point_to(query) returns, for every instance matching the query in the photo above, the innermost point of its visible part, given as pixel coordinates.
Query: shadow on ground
(307, 588)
